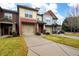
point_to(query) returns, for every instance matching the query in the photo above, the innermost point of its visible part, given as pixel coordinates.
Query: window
(28, 13)
(48, 20)
(8, 15)
(54, 21)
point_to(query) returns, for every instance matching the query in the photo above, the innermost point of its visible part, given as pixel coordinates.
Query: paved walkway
(74, 37)
(42, 47)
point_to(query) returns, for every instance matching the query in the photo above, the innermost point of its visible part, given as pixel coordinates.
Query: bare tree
(74, 12)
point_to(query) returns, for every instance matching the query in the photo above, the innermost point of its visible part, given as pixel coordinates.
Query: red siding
(28, 20)
(1, 14)
(15, 16)
(47, 14)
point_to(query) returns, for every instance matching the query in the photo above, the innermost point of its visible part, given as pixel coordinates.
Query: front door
(6, 29)
(40, 28)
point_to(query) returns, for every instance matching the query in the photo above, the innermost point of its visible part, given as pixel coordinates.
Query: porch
(5, 29)
(40, 27)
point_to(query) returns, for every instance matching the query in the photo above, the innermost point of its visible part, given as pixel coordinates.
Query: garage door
(28, 29)
(49, 29)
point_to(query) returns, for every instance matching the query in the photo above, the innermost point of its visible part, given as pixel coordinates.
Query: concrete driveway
(42, 47)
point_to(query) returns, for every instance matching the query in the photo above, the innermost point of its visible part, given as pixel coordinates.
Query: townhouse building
(50, 19)
(7, 19)
(27, 21)
(31, 22)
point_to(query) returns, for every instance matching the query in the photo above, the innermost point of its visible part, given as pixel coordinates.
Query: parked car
(60, 32)
(54, 32)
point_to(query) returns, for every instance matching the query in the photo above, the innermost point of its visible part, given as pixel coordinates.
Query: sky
(59, 9)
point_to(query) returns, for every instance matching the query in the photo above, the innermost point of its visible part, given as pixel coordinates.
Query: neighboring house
(50, 19)
(7, 19)
(27, 20)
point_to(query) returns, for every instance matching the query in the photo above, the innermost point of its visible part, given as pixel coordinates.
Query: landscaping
(14, 46)
(63, 40)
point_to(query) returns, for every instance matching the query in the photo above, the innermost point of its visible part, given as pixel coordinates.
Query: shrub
(44, 31)
(37, 33)
(47, 33)
(14, 34)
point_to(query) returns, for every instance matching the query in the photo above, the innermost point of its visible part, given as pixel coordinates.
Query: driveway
(42, 47)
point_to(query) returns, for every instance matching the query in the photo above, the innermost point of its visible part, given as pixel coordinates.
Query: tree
(65, 25)
(74, 12)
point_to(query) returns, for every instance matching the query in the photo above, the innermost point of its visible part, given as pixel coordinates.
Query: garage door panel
(49, 29)
(28, 29)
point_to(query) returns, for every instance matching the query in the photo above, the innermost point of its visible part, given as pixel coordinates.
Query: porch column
(13, 27)
(44, 26)
(37, 28)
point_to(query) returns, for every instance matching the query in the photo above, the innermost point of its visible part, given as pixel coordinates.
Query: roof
(40, 14)
(40, 22)
(26, 7)
(11, 11)
(52, 14)
(6, 20)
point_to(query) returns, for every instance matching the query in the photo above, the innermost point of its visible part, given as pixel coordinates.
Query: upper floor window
(28, 14)
(54, 21)
(48, 19)
(8, 15)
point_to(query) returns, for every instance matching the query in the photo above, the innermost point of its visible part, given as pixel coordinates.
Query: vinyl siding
(48, 20)
(39, 18)
(22, 13)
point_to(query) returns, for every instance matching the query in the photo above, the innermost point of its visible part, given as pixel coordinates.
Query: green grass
(72, 34)
(14, 46)
(63, 40)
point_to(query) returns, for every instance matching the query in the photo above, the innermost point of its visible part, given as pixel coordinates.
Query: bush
(14, 34)
(44, 31)
(37, 33)
(47, 33)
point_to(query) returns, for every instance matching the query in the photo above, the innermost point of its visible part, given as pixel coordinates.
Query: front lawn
(72, 34)
(14, 46)
(63, 40)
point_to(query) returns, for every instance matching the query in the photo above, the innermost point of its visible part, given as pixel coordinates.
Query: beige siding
(22, 13)
(39, 18)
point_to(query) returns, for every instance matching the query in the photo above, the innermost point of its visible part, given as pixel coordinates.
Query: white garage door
(49, 29)
(28, 29)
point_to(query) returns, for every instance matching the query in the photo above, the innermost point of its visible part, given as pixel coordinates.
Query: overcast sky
(60, 9)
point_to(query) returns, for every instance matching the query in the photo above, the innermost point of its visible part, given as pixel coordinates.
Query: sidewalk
(74, 37)
(42, 47)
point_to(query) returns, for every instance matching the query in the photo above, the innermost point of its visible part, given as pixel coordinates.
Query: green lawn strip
(63, 40)
(14, 46)
(72, 34)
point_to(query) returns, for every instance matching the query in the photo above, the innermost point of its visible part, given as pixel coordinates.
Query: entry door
(41, 28)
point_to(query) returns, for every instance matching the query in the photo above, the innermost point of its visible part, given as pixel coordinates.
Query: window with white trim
(8, 15)
(28, 14)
